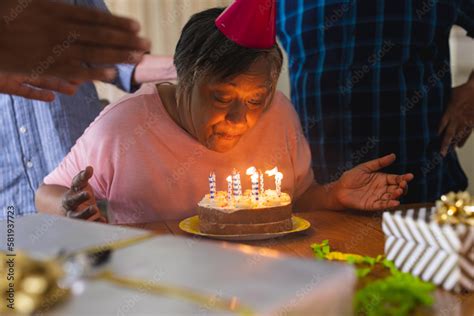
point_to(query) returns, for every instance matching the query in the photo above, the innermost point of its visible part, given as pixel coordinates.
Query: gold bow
(29, 285)
(455, 208)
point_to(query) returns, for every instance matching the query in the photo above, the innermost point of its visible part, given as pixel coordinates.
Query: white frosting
(268, 199)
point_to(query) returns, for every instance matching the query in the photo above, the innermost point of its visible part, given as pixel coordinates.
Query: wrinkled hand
(458, 120)
(40, 88)
(363, 187)
(79, 201)
(45, 37)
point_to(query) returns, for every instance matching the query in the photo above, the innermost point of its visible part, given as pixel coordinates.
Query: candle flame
(272, 172)
(229, 179)
(251, 171)
(254, 176)
(278, 176)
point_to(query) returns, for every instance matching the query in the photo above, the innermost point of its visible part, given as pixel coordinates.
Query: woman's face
(221, 112)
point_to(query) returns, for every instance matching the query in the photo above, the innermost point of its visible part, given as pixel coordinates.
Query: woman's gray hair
(204, 52)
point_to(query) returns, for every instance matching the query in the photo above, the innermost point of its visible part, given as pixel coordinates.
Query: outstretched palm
(363, 187)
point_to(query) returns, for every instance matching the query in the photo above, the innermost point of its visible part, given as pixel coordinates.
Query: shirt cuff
(124, 77)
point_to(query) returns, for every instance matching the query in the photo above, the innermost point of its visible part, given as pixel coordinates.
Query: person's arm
(457, 122)
(48, 199)
(152, 68)
(317, 197)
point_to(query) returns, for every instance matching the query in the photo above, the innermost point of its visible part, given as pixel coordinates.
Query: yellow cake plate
(191, 226)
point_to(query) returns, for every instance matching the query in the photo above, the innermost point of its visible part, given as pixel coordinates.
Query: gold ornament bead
(35, 284)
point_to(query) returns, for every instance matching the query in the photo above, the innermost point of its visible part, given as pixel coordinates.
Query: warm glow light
(469, 209)
(229, 179)
(272, 172)
(278, 176)
(251, 171)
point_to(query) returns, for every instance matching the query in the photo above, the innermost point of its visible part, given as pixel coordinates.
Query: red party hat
(249, 23)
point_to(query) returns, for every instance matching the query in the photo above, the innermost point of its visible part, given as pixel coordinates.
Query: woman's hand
(363, 187)
(79, 201)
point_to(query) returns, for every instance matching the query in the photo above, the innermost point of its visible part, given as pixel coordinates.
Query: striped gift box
(442, 254)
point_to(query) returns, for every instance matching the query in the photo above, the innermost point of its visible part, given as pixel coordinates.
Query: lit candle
(252, 172)
(212, 186)
(240, 183)
(229, 189)
(236, 184)
(262, 185)
(272, 173)
(278, 178)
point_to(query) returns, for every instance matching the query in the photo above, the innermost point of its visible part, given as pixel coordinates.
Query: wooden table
(353, 232)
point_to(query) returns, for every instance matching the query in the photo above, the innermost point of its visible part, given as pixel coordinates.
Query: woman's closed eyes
(253, 103)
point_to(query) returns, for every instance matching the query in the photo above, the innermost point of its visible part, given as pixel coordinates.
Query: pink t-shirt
(149, 169)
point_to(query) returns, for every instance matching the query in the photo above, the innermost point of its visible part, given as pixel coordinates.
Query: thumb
(81, 180)
(379, 163)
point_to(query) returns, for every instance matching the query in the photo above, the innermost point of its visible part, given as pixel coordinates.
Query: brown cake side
(244, 229)
(245, 216)
(245, 221)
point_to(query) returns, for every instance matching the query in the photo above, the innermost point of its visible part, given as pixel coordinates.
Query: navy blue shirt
(369, 78)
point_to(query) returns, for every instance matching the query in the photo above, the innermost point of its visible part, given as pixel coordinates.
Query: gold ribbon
(455, 208)
(36, 288)
(210, 302)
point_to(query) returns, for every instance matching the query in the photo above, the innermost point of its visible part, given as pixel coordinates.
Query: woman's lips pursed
(228, 136)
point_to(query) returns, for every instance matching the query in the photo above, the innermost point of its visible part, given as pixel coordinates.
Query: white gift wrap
(266, 281)
(442, 254)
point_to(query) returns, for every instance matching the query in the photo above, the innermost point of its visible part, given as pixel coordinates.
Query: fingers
(393, 192)
(75, 71)
(32, 93)
(108, 38)
(101, 55)
(92, 17)
(384, 204)
(464, 138)
(398, 179)
(71, 202)
(91, 214)
(379, 163)
(443, 124)
(80, 181)
(27, 92)
(53, 84)
(448, 136)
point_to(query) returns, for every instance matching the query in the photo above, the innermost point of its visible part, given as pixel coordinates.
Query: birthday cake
(255, 211)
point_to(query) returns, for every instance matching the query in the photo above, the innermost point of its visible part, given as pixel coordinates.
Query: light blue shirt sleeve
(124, 71)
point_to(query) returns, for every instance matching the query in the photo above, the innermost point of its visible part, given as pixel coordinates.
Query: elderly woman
(150, 154)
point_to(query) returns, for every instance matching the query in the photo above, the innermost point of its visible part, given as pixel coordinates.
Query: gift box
(440, 253)
(264, 280)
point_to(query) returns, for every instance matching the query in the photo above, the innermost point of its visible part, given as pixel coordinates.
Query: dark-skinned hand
(79, 201)
(366, 188)
(458, 120)
(43, 37)
(41, 88)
